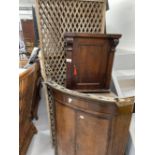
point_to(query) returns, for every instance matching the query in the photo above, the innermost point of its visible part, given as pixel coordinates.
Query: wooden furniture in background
(26, 90)
(90, 125)
(89, 60)
(37, 85)
(28, 33)
(29, 27)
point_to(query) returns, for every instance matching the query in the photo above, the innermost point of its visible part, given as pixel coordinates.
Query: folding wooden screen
(55, 17)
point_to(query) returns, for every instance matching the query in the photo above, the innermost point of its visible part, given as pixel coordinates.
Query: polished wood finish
(89, 60)
(26, 127)
(37, 86)
(90, 125)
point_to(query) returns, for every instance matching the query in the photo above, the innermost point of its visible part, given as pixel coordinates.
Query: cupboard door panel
(90, 59)
(92, 135)
(65, 130)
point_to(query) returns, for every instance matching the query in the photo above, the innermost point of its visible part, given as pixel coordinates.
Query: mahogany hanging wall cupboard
(89, 60)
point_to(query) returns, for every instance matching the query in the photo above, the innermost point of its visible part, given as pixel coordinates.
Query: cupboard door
(65, 130)
(92, 135)
(90, 60)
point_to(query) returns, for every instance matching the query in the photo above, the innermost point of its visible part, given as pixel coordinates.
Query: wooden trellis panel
(55, 17)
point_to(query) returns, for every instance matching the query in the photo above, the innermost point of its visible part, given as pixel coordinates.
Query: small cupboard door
(92, 135)
(90, 62)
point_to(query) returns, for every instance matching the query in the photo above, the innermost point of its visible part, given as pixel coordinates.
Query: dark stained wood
(89, 60)
(90, 125)
(26, 127)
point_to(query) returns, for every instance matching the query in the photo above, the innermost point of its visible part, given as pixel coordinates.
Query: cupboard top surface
(119, 102)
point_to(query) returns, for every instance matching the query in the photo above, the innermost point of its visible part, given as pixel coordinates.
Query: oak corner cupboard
(90, 125)
(89, 58)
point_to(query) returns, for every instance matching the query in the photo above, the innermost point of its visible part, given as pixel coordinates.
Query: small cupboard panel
(65, 128)
(91, 131)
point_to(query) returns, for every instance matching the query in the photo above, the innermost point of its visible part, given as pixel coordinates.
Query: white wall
(121, 19)
(26, 2)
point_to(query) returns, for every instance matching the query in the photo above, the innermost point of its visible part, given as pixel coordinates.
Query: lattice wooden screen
(55, 17)
(60, 16)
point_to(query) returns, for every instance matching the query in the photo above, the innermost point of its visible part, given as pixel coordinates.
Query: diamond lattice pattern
(58, 17)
